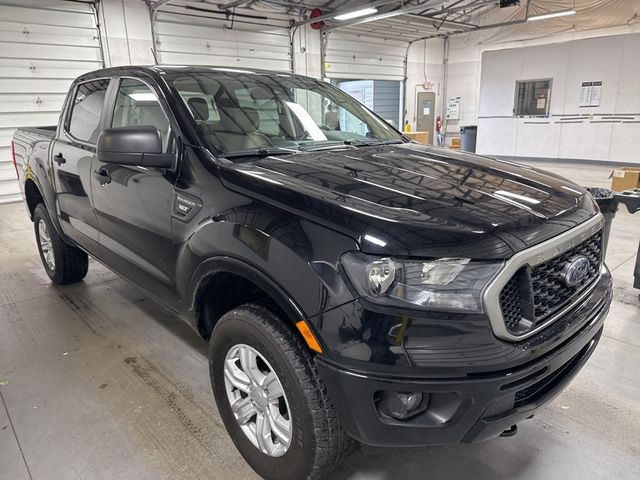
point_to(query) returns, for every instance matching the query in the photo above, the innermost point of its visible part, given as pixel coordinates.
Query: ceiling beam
(156, 4)
(227, 6)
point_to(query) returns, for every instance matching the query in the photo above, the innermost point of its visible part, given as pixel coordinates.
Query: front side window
(86, 111)
(239, 112)
(137, 105)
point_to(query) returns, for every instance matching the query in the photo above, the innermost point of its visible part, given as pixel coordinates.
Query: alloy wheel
(257, 400)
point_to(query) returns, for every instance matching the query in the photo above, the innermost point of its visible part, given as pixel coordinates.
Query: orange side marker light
(308, 336)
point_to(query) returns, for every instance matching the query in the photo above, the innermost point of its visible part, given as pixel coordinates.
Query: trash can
(608, 203)
(631, 199)
(468, 138)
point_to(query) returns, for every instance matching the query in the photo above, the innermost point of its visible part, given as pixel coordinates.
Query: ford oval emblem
(575, 270)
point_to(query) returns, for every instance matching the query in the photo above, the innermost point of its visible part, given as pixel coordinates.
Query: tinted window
(137, 105)
(87, 110)
(236, 112)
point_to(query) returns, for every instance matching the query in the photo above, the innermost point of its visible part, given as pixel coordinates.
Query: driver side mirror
(140, 146)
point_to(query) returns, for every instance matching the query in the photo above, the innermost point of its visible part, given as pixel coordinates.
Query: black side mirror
(141, 146)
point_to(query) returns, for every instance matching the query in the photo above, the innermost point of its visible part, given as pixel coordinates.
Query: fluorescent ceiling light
(544, 16)
(356, 14)
(143, 97)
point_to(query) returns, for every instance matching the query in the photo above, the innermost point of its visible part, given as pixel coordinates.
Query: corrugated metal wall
(247, 39)
(386, 100)
(44, 46)
(366, 58)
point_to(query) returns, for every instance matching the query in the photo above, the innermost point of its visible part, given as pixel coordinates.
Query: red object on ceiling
(316, 12)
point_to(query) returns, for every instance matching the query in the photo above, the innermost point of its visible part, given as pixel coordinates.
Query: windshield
(246, 113)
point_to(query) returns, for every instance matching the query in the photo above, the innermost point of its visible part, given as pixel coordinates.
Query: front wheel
(271, 399)
(63, 263)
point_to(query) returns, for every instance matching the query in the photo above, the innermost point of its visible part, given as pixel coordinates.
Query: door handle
(59, 159)
(103, 176)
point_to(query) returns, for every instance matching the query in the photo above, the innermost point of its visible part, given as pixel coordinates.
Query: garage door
(45, 45)
(363, 58)
(246, 38)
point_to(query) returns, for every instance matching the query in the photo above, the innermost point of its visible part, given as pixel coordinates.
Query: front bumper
(473, 408)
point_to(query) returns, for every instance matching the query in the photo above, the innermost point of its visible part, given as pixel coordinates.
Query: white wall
(465, 72)
(424, 65)
(612, 60)
(125, 27)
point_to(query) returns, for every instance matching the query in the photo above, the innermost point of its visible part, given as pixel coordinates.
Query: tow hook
(510, 432)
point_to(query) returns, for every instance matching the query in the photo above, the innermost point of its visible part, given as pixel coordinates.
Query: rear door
(72, 153)
(133, 203)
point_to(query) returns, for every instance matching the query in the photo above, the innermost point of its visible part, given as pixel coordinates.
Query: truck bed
(25, 141)
(48, 131)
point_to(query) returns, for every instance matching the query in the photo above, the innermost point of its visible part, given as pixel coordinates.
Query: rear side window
(137, 105)
(87, 110)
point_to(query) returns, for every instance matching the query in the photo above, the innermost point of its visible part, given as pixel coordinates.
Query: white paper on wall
(596, 91)
(585, 94)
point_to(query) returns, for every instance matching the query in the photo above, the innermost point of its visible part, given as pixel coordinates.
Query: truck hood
(416, 200)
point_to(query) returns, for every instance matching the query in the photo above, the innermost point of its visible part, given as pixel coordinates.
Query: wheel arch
(32, 195)
(233, 283)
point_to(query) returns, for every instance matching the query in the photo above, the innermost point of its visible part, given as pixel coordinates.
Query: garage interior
(98, 380)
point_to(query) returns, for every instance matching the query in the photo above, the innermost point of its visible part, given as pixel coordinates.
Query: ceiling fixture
(356, 14)
(544, 16)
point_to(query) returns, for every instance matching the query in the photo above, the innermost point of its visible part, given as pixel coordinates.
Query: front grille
(534, 294)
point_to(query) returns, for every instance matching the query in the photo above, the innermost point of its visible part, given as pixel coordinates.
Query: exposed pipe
(445, 75)
(481, 27)
(227, 6)
(404, 88)
(159, 4)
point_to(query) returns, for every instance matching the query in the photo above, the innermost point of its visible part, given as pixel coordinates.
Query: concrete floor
(98, 381)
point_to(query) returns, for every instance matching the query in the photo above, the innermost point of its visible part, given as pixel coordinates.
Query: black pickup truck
(352, 284)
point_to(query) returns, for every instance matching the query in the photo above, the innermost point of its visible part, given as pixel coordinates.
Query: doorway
(426, 113)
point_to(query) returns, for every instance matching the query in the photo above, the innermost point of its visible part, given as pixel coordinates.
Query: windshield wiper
(371, 143)
(350, 143)
(261, 152)
(326, 146)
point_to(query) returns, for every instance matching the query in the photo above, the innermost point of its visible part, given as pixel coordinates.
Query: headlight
(446, 284)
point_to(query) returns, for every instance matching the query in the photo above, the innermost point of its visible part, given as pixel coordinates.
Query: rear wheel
(63, 263)
(271, 399)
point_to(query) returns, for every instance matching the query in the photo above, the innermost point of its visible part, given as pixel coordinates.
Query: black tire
(318, 441)
(71, 263)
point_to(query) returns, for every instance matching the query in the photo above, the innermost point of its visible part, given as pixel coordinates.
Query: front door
(73, 153)
(426, 113)
(133, 204)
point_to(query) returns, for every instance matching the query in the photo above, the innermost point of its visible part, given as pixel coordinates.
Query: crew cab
(353, 285)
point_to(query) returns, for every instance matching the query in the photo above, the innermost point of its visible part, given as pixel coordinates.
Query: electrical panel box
(453, 108)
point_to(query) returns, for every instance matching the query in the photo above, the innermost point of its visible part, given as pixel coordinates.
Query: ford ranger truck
(354, 286)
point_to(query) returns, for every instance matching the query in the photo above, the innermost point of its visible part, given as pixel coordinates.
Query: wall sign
(453, 108)
(590, 93)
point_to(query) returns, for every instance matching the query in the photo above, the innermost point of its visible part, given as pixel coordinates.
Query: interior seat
(237, 128)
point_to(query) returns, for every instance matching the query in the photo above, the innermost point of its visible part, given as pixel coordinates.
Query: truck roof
(160, 69)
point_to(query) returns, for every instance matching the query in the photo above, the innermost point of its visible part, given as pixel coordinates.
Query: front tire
(251, 348)
(63, 263)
